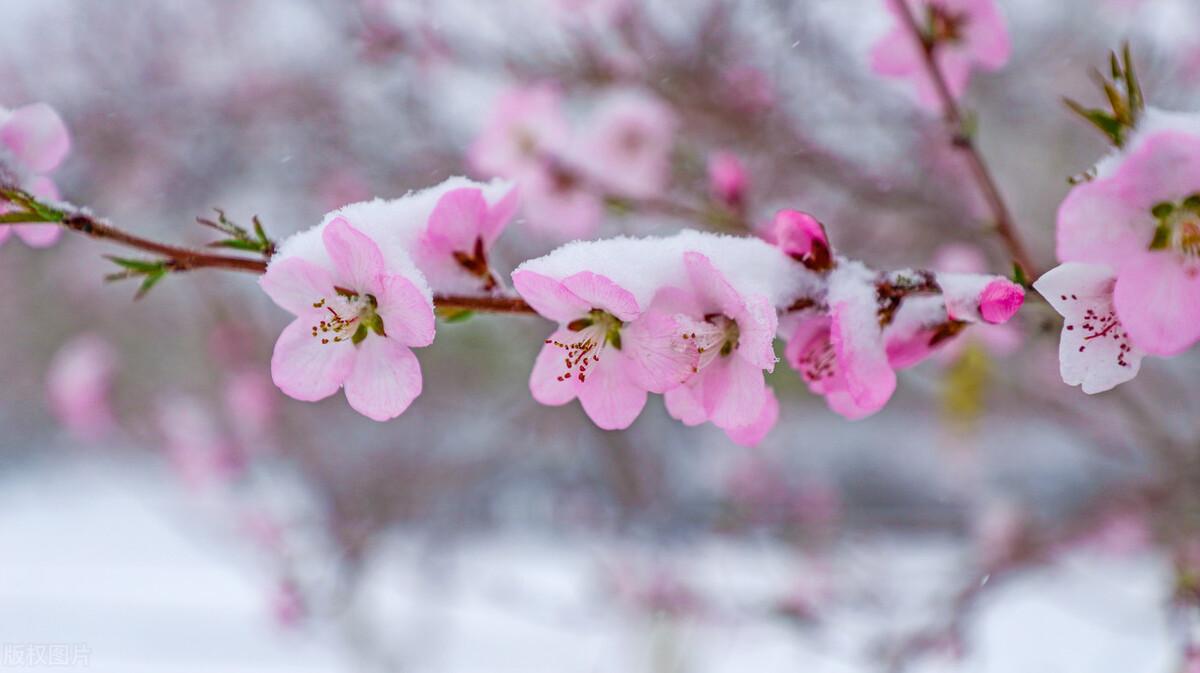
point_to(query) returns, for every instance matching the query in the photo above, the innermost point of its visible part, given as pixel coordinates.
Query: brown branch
(186, 259)
(1005, 226)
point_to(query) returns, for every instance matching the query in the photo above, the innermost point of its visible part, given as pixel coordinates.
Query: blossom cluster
(1128, 238)
(625, 146)
(693, 316)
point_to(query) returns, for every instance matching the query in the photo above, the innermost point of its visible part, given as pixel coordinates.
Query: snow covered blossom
(605, 352)
(79, 384)
(998, 338)
(628, 144)
(360, 308)
(733, 337)
(1141, 217)
(33, 142)
(963, 34)
(802, 237)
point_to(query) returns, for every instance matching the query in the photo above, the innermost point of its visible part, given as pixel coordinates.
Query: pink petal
(548, 367)
(356, 257)
(655, 363)
(710, 285)
(757, 325)
(295, 284)
(733, 391)
(602, 293)
(385, 380)
(608, 396)
(38, 235)
(407, 314)
(549, 297)
(5, 230)
(500, 214)
(1097, 225)
(1158, 300)
(458, 220)
(303, 367)
(684, 405)
(37, 136)
(896, 54)
(1000, 301)
(987, 36)
(861, 357)
(753, 434)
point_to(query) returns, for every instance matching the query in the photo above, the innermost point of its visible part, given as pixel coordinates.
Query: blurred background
(164, 508)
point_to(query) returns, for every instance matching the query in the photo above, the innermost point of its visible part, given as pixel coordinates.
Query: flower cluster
(33, 142)
(693, 317)
(958, 34)
(1129, 240)
(625, 146)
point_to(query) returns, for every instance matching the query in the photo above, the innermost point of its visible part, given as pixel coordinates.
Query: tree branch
(963, 141)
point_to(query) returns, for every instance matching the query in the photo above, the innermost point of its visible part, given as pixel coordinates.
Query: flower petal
(1158, 300)
(499, 214)
(550, 364)
(304, 368)
(549, 297)
(861, 357)
(37, 136)
(684, 405)
(295, 284)
(751, 435)
(357, 258)
(38, 235)
(458, 220)
(710, 285)
(385, 380)
(608, 396)
(656, 362)
(1082, 294)
(733, 391)
(407, 314)
(601, 292)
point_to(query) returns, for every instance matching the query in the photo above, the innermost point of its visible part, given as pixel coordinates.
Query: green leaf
(138, 266)
(149, 282)
(1019, 276)
(24, 216)
(260, 232)
(1108, 125)
(238, 244)
(453, 315)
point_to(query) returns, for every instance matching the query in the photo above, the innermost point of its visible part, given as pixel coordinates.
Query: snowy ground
(107, 561)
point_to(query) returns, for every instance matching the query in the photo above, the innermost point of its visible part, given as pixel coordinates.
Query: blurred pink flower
(356, 321)
(733, 338)
(251, 404)
(526, 124)
(728, 181)
(559, 203)
(1141, 218)
(341, 187)
(199, 452)
(287, 604)
(78, 386)
(606, 352)
(33, 142)
(627, 148)
(460, 233)
(748, 89)
(1095, 350)
(966, 34)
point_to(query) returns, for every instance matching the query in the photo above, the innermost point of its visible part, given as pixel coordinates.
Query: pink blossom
(33, 142)
(997, 339)
(526, 124)
(461, 230)
(728, 181)
(559, 203)
(732, 335)
(606, 351)
(357, 318)
(1141, 218)
(966, 34)
(199, 451)
(1095, 350)
(287, 604)
(250, 402)
(802, 237)
(79, 385)
(628, 145)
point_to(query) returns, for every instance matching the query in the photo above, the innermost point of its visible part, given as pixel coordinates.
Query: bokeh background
(990, 519)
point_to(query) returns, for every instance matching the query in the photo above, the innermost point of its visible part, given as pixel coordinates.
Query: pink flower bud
(727, 179)
(1000, 300)
(803, 237)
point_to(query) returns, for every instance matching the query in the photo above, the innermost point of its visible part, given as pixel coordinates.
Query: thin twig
(963, 141)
